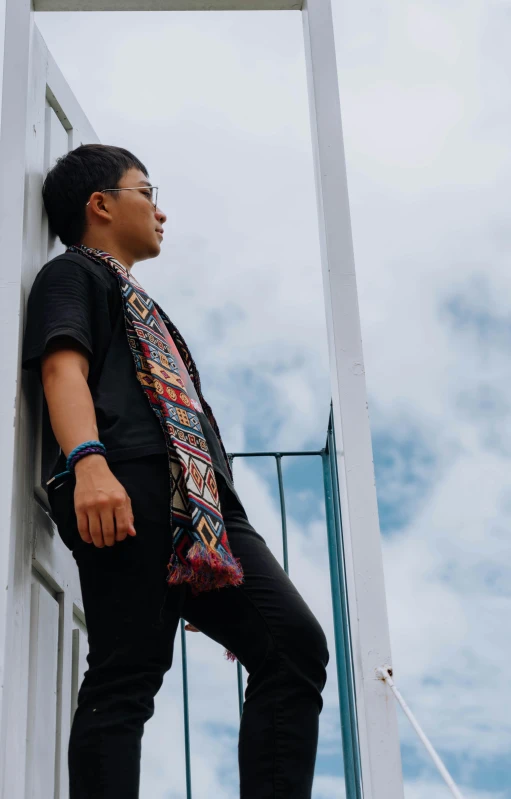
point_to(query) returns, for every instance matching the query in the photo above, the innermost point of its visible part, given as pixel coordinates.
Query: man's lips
(160, 231)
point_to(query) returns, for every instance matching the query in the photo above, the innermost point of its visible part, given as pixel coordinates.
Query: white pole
(13, 131)
(376, 717)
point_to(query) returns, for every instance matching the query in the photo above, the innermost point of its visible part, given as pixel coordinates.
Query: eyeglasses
(150, 191)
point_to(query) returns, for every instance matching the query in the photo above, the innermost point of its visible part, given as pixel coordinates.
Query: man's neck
(96, 243)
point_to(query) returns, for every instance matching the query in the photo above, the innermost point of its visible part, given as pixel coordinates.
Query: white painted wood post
(13, 128)
(377, 720)
(2, 31)
(42, 696)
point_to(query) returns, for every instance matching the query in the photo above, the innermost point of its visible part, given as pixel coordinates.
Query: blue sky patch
(404, 467)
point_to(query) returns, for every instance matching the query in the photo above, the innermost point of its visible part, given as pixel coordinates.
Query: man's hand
(102, 506)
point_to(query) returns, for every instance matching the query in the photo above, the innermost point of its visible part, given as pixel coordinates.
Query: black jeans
(132, 617)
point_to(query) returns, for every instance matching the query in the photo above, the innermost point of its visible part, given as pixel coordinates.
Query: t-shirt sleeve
(64, 300)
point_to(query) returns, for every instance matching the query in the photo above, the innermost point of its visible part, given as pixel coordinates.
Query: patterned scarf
(167, 373)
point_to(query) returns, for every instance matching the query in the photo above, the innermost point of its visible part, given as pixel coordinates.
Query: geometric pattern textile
(170, 380)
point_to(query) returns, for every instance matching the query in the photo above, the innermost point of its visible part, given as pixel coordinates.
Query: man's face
(135, 221)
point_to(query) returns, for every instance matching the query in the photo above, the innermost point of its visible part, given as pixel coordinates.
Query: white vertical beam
(13, 129)
(2, 31)
(377, 721)
(42, 704)
(64, 688)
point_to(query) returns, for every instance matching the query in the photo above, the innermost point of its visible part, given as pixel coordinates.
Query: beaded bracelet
(87, 448)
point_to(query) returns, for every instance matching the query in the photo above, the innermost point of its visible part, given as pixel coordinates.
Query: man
(147, 505)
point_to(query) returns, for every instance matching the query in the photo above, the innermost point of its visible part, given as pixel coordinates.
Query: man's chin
(156, 250)
(150, 252)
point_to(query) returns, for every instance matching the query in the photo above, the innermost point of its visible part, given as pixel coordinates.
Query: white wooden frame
(377, 721)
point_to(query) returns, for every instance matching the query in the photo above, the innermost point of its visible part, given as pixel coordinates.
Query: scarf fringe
(206, 569)
(230, 656)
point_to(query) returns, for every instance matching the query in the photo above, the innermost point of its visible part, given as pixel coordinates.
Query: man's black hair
(75, 176)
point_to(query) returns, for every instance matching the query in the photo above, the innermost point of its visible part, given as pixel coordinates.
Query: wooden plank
(56, 568)
(52, 559)
(20, 151)
(64, 688)
(67, 107)
(42, 692)
(167, 5)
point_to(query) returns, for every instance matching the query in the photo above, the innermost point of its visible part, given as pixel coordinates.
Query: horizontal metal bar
(319, 452)
(167, 5)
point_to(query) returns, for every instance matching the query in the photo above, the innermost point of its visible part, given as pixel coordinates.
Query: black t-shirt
(74, 296)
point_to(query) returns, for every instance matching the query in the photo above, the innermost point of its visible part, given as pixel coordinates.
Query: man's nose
(160, 216)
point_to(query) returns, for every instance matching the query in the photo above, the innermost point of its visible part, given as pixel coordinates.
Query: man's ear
(99, 206)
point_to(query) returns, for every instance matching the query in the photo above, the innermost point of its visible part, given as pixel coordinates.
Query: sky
(215, 105)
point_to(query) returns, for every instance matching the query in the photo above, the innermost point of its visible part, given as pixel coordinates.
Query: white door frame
(377, 721)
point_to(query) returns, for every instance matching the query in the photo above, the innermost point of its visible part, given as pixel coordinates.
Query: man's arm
(103, 508)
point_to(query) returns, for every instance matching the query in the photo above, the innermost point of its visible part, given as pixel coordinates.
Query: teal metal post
(278, 460)
(185, 713)
(347, 706)
(241, 697)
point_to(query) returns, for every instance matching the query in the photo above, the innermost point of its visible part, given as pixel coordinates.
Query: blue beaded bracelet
(87, 448)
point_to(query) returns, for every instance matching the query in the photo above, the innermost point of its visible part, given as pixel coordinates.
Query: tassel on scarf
(230, 656)
(206, 569)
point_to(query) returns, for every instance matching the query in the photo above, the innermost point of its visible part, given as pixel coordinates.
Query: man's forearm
(103, 508)
(71, 410)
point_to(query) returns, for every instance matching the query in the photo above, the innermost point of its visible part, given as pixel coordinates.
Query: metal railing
(345, 680)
